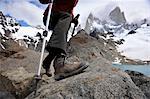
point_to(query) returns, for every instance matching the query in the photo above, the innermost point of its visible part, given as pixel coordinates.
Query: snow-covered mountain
(8, 26)
(30, 37)
(113, 24)
(133, 38)
(137, 45)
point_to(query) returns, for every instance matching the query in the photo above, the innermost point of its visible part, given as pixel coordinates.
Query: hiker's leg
(52, 52)
(58, 40)
(59, 36)
(59, 23)
(47, 62)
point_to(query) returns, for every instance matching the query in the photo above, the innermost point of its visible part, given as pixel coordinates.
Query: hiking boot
(53, 52)
(64, 69)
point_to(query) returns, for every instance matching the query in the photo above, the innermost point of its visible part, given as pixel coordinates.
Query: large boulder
(17, 73)
(99, 81)
(26, 58)
(88, 48)
(10, 47)
(18, 82)
(6, 95)
(140, 80)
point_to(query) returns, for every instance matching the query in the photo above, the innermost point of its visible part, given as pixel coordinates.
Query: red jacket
(61, 5)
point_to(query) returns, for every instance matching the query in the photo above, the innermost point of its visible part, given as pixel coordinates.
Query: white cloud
(32, 14)
(23, 10)
(134, 9)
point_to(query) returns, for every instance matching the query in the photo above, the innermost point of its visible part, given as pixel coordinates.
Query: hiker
(60, 21)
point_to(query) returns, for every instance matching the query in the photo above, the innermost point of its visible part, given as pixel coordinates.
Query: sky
(31, 11)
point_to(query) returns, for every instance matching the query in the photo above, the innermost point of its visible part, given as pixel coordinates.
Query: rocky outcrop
(117, 16)
(10, 29)
(18, 65)
(18, 82)
(6, 95)
(142, 81)
(10, 48)
(95, 83)
(99, 81)
(89, 23)
(89, 48)
(17, 73)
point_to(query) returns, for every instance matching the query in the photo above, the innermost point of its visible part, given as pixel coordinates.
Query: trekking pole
(45, 33)
(75, 21)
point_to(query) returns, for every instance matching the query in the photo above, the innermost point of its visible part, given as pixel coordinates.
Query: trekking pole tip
(37, 77)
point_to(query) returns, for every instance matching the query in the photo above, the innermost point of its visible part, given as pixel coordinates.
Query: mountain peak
(117, 16)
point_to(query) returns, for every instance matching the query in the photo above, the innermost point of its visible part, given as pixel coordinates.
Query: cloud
(23, 10)
(134, 9)
(31, 11)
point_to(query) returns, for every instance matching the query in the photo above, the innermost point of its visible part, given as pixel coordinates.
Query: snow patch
(137, 46)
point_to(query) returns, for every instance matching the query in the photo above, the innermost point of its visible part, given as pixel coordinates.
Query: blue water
(145, 69)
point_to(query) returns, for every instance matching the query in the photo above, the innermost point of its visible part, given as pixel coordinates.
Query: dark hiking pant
(59, 24)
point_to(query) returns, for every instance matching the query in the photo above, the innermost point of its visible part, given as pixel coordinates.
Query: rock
(89, 23)
(99, 81)
(94, 34)
(18, 82)
(132, 32)
(119, 42)
(17, 73)
(27, 59)
(6, 95)
(11, 47)
(134, 73)
(89, 48)
(117, 16)
(142, 81)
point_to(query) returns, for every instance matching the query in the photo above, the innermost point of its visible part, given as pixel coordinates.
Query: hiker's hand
(45, 1)
(50, 1)
(75, 21)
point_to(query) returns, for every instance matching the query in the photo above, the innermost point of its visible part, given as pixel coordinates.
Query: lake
(145, 69)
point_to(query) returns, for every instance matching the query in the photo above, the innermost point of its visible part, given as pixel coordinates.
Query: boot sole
(66, 75)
